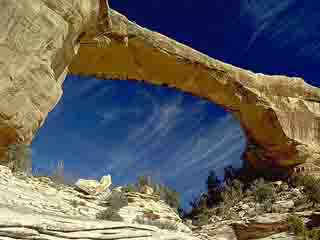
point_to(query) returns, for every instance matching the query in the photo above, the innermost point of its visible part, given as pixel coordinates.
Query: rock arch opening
(134, 129)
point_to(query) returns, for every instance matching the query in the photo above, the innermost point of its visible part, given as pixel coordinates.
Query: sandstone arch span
(279, 115)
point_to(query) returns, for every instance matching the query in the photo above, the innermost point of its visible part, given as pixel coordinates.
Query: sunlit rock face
(278, 114)
(38, 41)
(38, 208)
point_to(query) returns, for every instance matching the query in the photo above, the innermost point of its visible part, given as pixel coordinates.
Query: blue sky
(127, 129)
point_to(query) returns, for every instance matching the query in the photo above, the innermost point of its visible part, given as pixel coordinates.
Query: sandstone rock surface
(37, 208)
(40, 39)
(93, 187)
(248, 219)
(219, 231)
(13, 225)
(146, 190)
(261, 226)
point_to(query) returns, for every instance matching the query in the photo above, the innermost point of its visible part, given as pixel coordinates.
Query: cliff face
(41, 39)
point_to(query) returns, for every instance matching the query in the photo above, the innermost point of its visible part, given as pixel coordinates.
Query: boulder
(245, 206)
(277, 184)
(106, 181)
(223, 232)
(220, 231)
(93, 187)
(279, 236)
(146, 190)
(283, 206)
(88, 186)
(261, 226)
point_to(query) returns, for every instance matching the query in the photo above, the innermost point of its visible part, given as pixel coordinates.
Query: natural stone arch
(279, 115)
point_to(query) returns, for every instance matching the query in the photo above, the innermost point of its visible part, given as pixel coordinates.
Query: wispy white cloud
(203, 151)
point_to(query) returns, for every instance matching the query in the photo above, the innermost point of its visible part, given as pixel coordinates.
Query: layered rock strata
(37, 208)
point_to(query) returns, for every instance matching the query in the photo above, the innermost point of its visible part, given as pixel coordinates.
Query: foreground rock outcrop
(37, 208)
(246, 218)
(40, 39)
(13, 225)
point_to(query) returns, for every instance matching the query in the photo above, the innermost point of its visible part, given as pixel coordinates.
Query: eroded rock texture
(37, 208)
(38, 41)
(40, 38)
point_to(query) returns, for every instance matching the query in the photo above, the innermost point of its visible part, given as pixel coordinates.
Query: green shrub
(233, 193)
(203, 218)
(263, 191)
(267, 206)
(75, 203)
(198, 205)
(143, 181)
(19, 158)
(168, 195)
(117, 200)
(165, 193)
(311, 187)
(302, 203)
(58, 174)
(172, 198)
(168, 225)
(313, 234)
(129, 188)
(214, 189)
(296, 225)
(110, 214)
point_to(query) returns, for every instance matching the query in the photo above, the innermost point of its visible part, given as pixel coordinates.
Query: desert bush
(118, 200)
(168, 195)
(311, 187)
(233, 193)
(302, 204)
(202, 218)
(230, 174)
(313, 234)
(129, 188)
(58, 173)
(214, 190)
(143, 181)
(181, 212)
(296, 225)
(109, 214)
(198, 204)
(163, 192)
(76, 203)
(163, 224)
(267, 206)
(19, 158)
(171, 197)
(263, 191)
